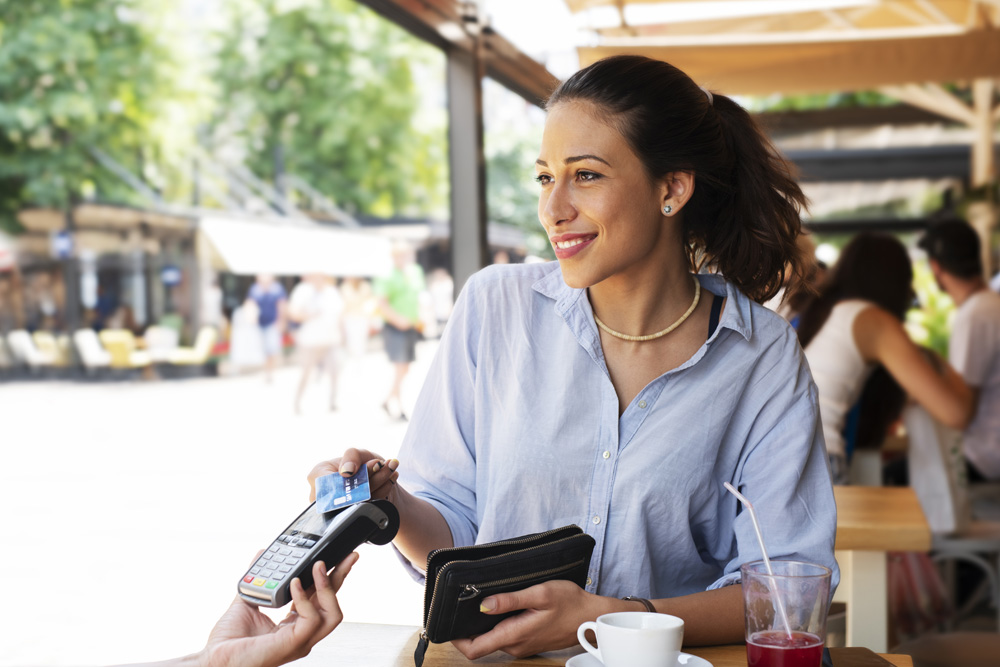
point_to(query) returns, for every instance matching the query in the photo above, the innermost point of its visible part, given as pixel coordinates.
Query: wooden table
(371, 645)
(872, 520)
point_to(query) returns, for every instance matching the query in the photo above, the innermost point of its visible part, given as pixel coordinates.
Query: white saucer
(587, 660)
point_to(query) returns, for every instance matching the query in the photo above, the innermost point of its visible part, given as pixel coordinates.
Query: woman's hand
(245, 637)
(382, 474)
(552, 613)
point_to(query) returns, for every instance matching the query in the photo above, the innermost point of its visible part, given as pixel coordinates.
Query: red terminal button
(248, 578)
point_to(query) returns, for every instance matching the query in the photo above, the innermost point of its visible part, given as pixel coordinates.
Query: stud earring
(668, 209)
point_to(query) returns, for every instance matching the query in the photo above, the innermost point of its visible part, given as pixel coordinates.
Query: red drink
(777, 649)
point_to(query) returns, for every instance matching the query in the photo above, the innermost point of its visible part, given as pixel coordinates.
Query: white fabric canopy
(248, 247)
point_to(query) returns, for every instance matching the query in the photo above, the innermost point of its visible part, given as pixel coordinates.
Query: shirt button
(596, 519)
(607, 455)
(589, 582)
(642, 404)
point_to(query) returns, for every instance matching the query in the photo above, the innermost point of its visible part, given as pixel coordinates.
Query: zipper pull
(418, 654)
(469, 591)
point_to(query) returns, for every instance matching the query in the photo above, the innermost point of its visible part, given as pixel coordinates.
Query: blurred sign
(170, 275)
(61, 244)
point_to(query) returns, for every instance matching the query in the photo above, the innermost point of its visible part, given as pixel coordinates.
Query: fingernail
(378, 466)
(489, 604)
(391, 462)
(347, 469)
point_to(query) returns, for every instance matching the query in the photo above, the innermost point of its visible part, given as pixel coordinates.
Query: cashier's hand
(552, 613)
(382, 474)
(245, 637)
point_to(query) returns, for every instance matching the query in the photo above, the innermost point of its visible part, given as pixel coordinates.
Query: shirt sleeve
(438, 456)
(972, 363)
(785, 475)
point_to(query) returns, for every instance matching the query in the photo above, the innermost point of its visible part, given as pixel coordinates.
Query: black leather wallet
(458, 579)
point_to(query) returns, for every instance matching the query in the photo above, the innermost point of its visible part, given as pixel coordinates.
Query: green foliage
(869, 98)
(330, 87)
(513, 136)
(930, 325)
(76, 74)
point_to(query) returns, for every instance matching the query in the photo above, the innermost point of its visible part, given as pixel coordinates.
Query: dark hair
(743, 217)
(954, 244)
(874, 267)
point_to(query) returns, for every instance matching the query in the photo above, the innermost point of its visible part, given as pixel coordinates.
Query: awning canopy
(290, 248)
(807, 46)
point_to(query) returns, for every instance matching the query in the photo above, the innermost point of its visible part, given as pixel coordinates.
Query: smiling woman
(620, 388)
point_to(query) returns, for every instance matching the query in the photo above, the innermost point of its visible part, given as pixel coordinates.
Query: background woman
(854, 324)
(617, 389)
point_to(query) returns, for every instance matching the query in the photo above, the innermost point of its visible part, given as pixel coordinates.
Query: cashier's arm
(554, 610)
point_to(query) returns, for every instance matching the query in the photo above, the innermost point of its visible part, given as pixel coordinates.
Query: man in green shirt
(398, 296)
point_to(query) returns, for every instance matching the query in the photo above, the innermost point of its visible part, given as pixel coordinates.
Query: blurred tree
(77, 75)
(326, 90)
(513, 136)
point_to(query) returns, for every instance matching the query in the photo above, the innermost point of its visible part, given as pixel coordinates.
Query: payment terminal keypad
(274, 564)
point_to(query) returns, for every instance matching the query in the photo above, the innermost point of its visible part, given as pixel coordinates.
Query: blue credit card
(335, 492)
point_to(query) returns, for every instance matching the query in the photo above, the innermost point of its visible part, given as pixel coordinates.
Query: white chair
(24, 351)
(92, 354)
(937, 475)
(200, 353)
(161, 342)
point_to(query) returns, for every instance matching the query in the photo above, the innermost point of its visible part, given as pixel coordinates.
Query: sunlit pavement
(131, 509)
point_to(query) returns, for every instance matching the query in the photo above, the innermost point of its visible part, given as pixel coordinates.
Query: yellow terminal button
(258, 581)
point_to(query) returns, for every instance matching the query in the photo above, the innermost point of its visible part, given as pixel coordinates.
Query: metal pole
(469, 248)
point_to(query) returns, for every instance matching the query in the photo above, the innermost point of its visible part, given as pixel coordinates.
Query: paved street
(130, 509)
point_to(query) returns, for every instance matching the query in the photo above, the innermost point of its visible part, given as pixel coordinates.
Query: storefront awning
(290, 248)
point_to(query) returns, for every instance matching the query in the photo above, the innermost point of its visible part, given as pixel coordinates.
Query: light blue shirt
(516, 431)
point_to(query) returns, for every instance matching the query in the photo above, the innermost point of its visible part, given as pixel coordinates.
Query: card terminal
(313, 536)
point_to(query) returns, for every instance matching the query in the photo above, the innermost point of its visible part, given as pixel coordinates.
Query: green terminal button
(271, 584)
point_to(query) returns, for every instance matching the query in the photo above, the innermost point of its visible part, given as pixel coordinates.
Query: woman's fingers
(382, 476)
(346, 465)
(321, 469)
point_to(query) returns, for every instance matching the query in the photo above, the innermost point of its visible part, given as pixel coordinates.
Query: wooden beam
(935, 11)
(923, 97)
(440, 23)
(983, 161)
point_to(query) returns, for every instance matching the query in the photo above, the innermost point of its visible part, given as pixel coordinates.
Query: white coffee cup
(635, 639)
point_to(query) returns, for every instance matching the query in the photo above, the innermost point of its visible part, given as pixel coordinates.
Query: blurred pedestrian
(271, 300)
(854, 324)
(359, 306)
(316, 305)
(953, 250)
(398, 297)
(246, 342)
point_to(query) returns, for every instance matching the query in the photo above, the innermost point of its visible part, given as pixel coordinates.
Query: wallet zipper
(522, 540)
(444, 568)
(470, 591)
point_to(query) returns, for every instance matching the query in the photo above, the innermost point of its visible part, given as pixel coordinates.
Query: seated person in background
(974, 347)
(538, 412)
(245, 637)
(854, 323)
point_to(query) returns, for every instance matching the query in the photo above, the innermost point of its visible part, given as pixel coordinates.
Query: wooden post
(983, 214)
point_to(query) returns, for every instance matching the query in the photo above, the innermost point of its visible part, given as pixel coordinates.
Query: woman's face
(599, 207)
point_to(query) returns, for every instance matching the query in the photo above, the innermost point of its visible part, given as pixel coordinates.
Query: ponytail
(743, 218)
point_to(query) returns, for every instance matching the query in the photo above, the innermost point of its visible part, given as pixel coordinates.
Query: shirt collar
(737, 315)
